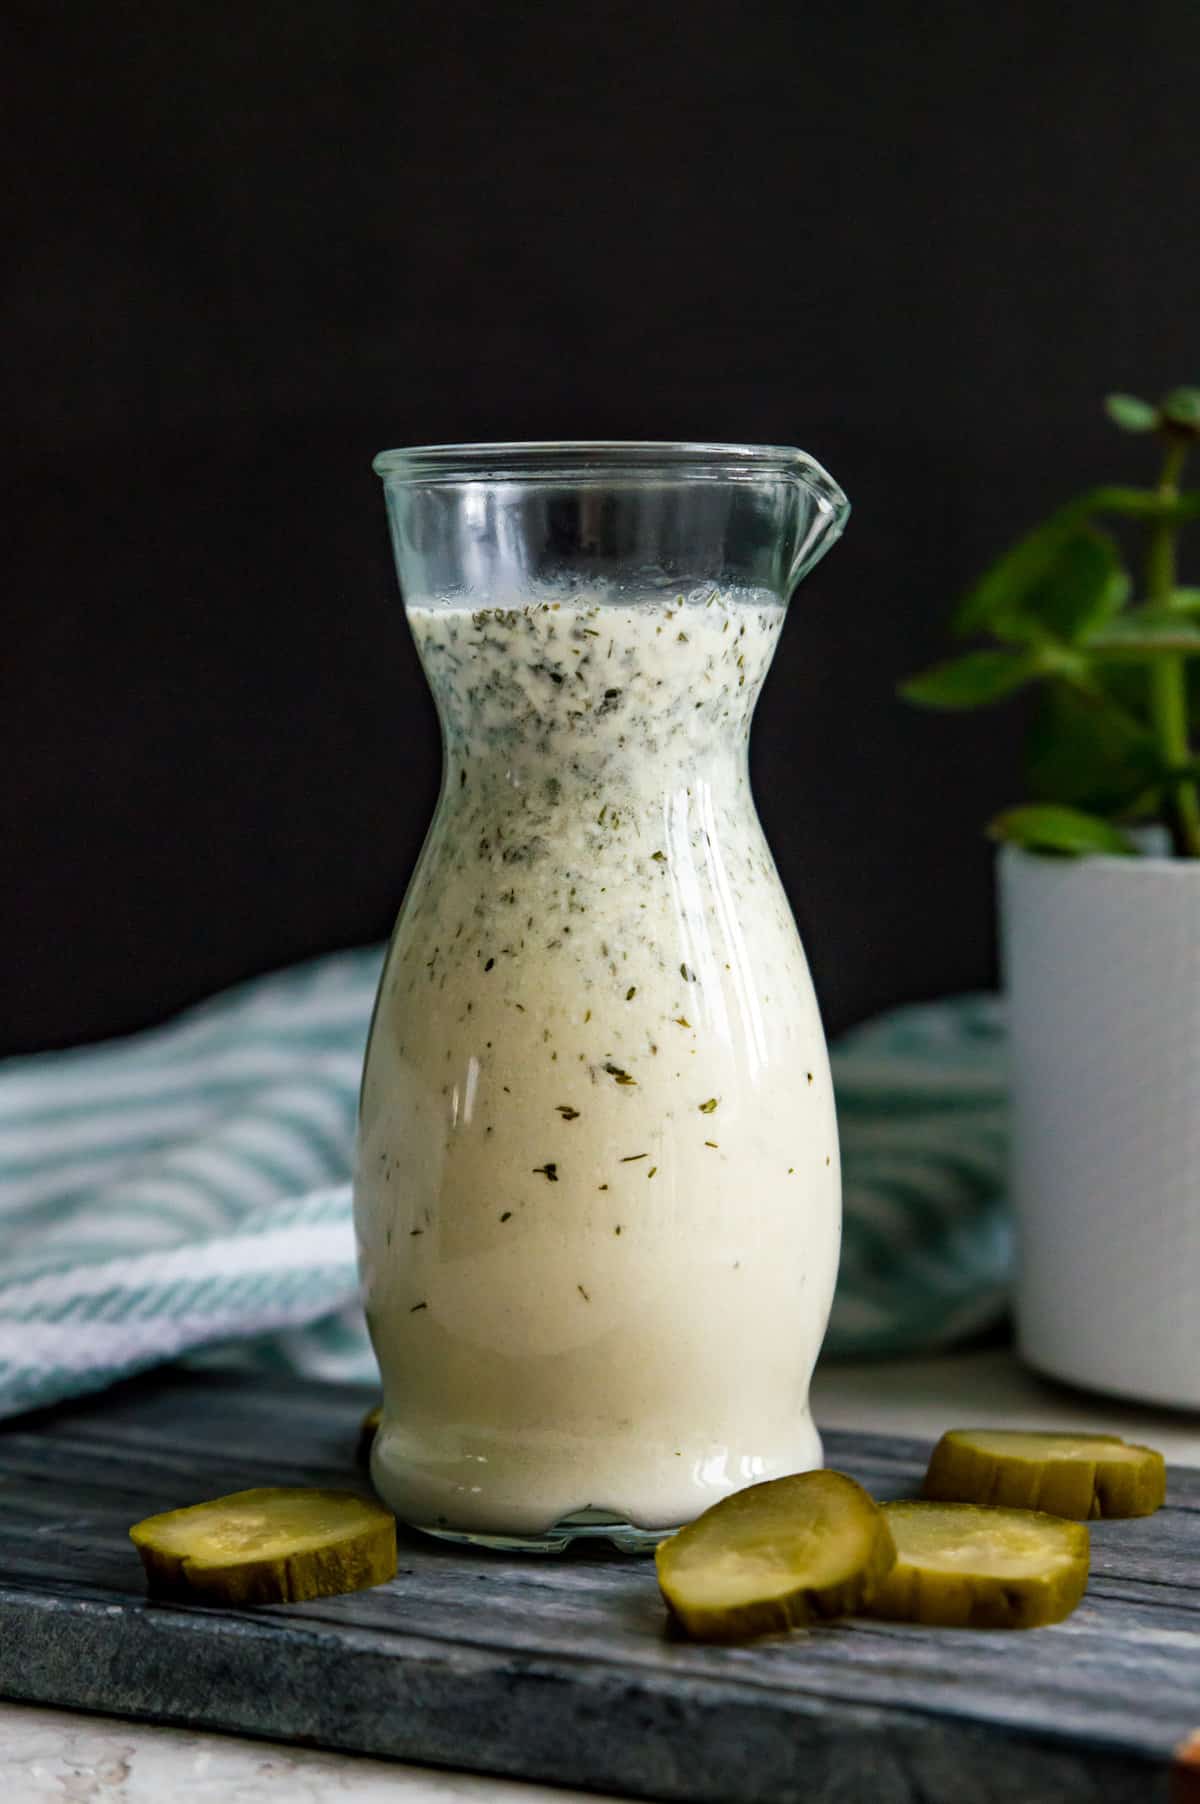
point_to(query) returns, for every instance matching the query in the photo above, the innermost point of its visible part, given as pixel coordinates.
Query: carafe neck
(582, 691)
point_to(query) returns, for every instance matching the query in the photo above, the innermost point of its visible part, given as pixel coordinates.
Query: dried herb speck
(706, 1108)
(659, 857)
(567, 1112)
(489, 964)
(507, 1216)
(631, 992)
(583, 1293)
(631, 1158)
(549, 1170)
(622, 1077)
(417, 1306)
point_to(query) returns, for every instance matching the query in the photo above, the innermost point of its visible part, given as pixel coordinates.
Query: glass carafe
(597, 1192)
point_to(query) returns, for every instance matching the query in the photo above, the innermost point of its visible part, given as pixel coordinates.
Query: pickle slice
(367, 1430)
(1080, 1475)
(968, 1565)
(268, 1546)
(775, 1556)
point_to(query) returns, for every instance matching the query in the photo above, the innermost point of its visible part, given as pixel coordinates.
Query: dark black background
(251, 244)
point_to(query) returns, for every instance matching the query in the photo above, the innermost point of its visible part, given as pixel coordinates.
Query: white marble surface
(52, 1754)
(75, 1759)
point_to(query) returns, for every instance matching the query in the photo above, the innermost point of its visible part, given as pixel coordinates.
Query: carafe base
(585, 1525)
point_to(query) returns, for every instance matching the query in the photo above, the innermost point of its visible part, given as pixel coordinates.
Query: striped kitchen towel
(185, 1191)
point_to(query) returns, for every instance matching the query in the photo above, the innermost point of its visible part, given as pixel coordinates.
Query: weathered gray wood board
(561, 1669)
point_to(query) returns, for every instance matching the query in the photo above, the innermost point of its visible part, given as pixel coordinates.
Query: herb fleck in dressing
(595, 901)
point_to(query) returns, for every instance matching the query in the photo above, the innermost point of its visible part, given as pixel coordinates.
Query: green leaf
(1085, 749)
(1147, 632)
(1083, 587)
(1046, 827)
(1182, 407)
(1130, 414)
(970, 682)
(1001, 590)
(1137, 504)
(997, 601)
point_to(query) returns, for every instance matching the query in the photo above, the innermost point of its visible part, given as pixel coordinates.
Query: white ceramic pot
(1102, 966)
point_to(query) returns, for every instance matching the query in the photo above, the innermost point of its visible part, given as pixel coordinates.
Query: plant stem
(1168, 674)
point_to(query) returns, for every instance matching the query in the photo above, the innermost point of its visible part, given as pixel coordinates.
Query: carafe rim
(601, 459)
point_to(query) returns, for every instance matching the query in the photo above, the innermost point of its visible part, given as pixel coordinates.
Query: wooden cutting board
(560, 1668)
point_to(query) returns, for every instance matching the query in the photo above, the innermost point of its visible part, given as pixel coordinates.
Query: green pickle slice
(268, 1546)
(775, 1556)
(1081, 1475)
(970, 1565)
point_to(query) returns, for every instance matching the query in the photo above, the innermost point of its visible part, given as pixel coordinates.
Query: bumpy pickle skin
(267, 1546)
(977, 1566)
(775, 1556)
(1083, 1476)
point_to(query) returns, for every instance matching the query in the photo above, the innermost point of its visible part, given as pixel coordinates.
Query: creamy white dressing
(598, 1194)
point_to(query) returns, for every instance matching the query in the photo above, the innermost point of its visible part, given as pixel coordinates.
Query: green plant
(1118, 668)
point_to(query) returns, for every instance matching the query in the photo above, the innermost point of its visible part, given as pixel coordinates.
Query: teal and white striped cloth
(184, 1192)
